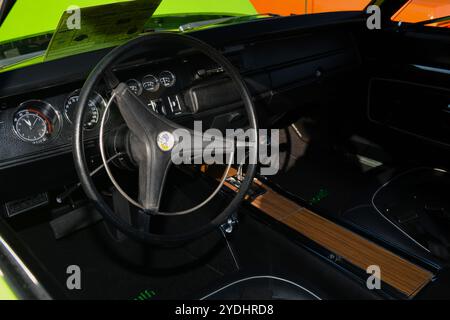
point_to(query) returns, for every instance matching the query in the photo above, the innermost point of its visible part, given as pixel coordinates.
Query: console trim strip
(403, 275)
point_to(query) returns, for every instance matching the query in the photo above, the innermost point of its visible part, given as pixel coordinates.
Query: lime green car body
(30, 17)
(6, 293)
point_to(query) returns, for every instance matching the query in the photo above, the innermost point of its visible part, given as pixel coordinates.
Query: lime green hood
(31, 18)
(5, 291)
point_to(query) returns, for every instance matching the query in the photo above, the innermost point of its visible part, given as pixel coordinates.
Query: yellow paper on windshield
(93, 28)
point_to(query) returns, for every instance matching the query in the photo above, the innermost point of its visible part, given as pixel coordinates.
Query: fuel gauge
(135, 86)
(167, 79)
(150, 83)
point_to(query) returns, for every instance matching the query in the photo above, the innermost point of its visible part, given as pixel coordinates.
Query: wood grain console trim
(399, 273)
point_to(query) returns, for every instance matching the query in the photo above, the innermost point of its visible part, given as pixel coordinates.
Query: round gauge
(96, 105)
(150, 83)
(135, 86)
(36, 121)
(167, 79)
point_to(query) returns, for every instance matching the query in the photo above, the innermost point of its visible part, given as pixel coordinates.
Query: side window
(421, 10)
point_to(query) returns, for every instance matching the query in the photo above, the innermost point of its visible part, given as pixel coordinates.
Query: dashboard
(38, 121)
(38, 103)
(41, 122)
(159, 85)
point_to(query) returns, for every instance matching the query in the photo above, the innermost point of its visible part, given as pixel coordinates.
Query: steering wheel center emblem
(165, 141)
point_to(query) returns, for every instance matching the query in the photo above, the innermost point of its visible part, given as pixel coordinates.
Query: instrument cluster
(39, 121)
(159, 91)
(152, 83)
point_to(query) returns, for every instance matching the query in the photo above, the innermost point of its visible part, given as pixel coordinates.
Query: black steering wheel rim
(79, 152)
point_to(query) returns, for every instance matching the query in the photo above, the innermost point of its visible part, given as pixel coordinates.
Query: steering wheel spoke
(151, 141)
(139, 118)
(153, 168)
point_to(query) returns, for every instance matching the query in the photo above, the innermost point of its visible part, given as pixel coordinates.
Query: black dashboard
(40, 123)
(277, 58)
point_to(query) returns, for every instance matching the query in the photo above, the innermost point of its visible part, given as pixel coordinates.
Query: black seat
(261, 288)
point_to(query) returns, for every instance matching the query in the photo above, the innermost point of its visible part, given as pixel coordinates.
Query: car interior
(364, 126)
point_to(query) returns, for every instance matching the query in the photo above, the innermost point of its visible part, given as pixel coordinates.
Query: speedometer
(96, 105)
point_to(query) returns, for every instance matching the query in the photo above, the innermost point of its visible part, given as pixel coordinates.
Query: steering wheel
(144, 144)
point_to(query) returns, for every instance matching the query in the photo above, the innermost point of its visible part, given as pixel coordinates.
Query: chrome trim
(262, 277)
(431, 69)
(386, 218)
(23, 278)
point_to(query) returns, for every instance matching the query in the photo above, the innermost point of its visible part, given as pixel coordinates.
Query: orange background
(419, 10)
(412, 11)
(286, 7)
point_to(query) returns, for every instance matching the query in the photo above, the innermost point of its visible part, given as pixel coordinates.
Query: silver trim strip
(432, 69)
(386, 218)
(261, 277)
(28, 281)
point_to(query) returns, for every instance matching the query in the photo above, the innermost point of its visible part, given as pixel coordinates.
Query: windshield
(415, 11)
(28, 29)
